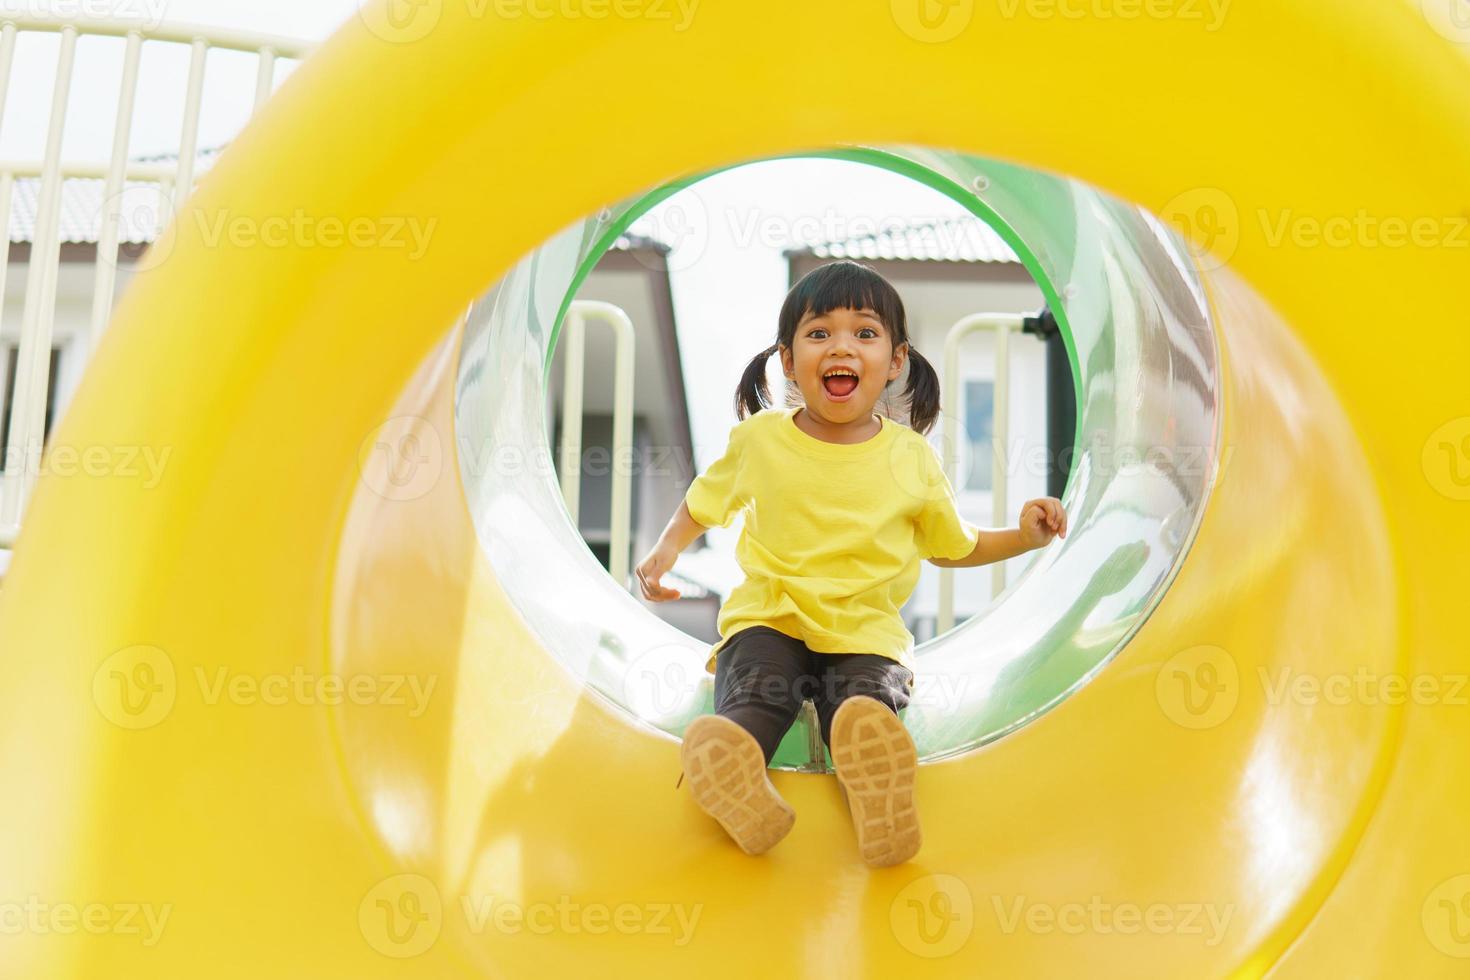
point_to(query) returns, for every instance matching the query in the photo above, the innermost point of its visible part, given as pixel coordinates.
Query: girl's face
(837, 342)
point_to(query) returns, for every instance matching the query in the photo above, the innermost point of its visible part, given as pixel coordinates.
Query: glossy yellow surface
(508, 824)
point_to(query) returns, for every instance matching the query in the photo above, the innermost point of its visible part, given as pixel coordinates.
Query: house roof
(139, 204)
(81, 210)
(966, 239)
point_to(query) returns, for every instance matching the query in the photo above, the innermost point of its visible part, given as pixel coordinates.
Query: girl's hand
(651, 569)
(1041, 519)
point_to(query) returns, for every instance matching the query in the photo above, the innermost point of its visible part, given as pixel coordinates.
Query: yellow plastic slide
(278, 715)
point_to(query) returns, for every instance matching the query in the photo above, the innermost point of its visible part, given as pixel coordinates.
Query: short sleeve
(713, 498)
(939, 530)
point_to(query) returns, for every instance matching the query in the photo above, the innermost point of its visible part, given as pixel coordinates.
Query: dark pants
(762, 676)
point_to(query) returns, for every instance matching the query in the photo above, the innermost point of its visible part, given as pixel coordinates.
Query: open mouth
(840, 385)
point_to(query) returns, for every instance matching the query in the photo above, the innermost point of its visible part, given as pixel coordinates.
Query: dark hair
(844, 285)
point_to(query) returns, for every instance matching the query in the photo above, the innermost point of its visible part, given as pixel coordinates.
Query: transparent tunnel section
(1146, 367)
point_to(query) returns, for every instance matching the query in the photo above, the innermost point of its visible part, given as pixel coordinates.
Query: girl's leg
(844, 675)
(876, 762)
(758, 683)
(761, 678)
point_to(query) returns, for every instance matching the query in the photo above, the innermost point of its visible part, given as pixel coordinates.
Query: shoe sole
(877, 765)
(727, 778)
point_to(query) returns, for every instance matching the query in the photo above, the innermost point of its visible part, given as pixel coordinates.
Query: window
(980, 431)
(12, 358)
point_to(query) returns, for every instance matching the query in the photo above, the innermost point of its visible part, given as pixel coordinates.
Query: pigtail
(754, 393)
(923, 393)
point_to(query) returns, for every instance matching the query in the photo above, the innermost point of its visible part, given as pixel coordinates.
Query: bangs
(844, 285)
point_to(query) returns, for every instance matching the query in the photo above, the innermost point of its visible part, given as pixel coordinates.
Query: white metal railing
(573, 342)
(1002, 325)
(22, 444)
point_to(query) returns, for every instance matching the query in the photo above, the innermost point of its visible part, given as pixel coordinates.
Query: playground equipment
(120, 177)
(492, 798)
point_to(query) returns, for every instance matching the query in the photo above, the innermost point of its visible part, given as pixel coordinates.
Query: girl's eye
(813, 334)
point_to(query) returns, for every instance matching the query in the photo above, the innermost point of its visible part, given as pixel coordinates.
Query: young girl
(840, 506)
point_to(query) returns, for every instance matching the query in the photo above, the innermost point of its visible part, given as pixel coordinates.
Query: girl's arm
(680, 533)
(1041, 520)
(716, 493)
(990, 546)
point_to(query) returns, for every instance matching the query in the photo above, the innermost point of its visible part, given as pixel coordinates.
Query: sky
(229, 79)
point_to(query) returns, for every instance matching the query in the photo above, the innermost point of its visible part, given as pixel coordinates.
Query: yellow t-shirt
(833, 533)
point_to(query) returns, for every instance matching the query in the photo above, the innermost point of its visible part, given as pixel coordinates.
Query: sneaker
(877, 765)
(727, 777)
